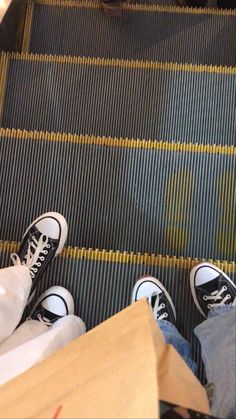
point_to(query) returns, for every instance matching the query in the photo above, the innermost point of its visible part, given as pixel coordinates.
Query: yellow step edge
(4, 63)
(136, 7)
(118, 142)
(129, 258)
(112, 62)
(27, 27)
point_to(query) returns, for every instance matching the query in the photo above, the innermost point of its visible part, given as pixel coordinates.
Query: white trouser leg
(15, 285)
(26, 331)
(20, 359)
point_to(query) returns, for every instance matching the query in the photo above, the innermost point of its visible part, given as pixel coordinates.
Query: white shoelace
(215, 296)
(44, 320)
(157, 308)
(34, 256)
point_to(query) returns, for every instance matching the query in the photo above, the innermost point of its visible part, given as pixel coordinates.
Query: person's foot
(191, 3)
(43, 240)
(226, 4)
(157, 296)
(112, 8)
(211, 287)
(52, 305)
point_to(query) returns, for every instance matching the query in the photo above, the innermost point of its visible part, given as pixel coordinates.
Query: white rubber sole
(158, 284)
(63, 228)
(192, 281)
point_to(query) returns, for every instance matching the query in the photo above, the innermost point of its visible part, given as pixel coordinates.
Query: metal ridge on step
(136, 7)
(118, 142)
(151, 65)
(129, 257)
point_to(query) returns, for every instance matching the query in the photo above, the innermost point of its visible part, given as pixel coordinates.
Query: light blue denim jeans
(174, 338)
(217, 335)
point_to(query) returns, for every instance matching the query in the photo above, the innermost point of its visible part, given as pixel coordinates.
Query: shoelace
(34, 255)
(217, 295)
(44, 320)
(157, 308)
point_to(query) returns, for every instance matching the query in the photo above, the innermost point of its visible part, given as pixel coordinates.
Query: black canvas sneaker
(52, 305)
(158, 297)
(43, 240)
(211, 287)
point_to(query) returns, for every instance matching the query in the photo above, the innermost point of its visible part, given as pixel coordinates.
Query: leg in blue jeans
(182, 346)
(217, 336)
(214, 295)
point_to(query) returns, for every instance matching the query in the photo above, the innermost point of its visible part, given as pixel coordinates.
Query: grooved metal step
(102, 283)
(147, 100)
(144, 32)
(129, 195)
(168, 196)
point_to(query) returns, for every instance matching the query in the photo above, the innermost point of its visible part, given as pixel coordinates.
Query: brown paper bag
(120, 369)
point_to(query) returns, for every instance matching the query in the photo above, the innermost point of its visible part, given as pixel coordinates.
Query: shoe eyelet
(209, 306)
(204, 297)
(224, 287)
(48, 246)
(228, 296)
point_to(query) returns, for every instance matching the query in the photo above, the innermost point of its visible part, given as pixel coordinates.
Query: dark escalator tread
(121, 99)
(163, 200)
(174, 35)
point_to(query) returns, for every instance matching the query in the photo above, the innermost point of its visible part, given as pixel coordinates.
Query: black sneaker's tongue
(52, 317)
(213, 285)
(153, 300)
(37, 234)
